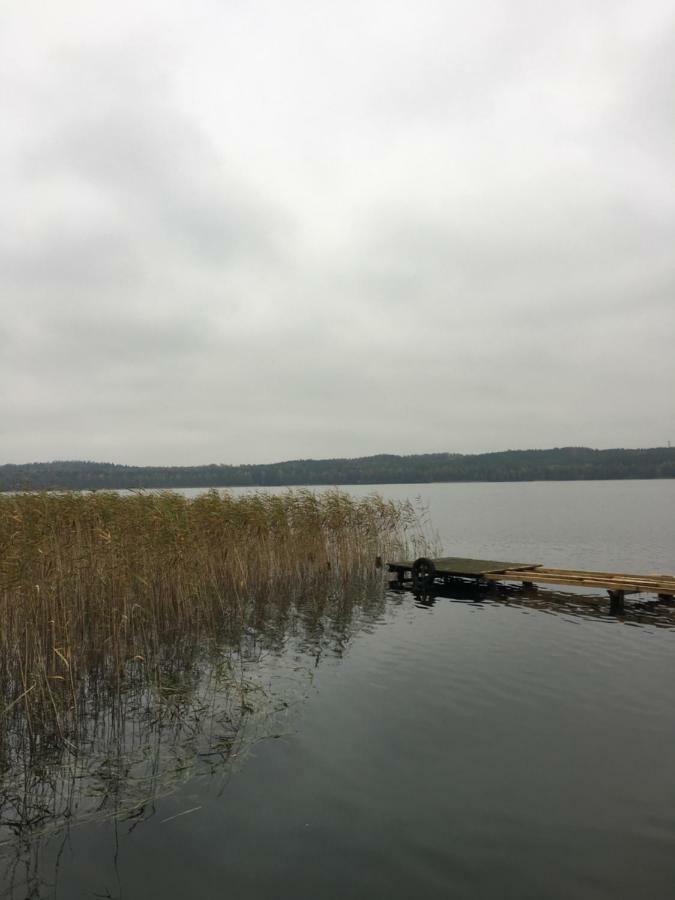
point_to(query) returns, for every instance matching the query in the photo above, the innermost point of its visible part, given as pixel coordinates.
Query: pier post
(616, 604)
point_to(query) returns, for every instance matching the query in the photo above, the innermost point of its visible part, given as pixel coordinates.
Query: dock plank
(535, 573)
(468, 568)
(583, 578)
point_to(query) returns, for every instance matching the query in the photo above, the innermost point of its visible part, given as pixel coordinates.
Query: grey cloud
(165, 182)
(80, 261)
(119, 137)
(643, 116)
(258, 235)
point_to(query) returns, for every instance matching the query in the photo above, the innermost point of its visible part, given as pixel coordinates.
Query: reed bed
(99, 587)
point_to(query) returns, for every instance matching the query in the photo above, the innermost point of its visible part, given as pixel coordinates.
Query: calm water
(617, 525)
(462, 749)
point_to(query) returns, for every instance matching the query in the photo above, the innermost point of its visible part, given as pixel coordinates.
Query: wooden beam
(644, 579)
(575, 579)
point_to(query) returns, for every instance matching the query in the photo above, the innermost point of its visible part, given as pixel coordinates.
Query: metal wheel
(423, 574)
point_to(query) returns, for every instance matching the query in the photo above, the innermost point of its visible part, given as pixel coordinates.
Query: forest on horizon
(557, 464)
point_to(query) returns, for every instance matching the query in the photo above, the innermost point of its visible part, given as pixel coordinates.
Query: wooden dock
(424, 572)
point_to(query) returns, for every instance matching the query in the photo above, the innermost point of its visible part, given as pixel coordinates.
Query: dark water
(469, 749)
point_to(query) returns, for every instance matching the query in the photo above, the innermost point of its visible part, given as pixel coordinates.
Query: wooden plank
(589, 578)
(643, 577)
(576, 580)
(587, 573)
(570, 577)
(453, 565)
(610, 579)
(461, 566)
(496, 570)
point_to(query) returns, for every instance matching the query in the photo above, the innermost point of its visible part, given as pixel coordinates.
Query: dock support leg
(616, 604)
(666, 598)
(529, 586)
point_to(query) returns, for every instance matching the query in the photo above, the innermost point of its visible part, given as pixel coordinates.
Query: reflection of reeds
(135, 745)
(195, 713)
(93, 585)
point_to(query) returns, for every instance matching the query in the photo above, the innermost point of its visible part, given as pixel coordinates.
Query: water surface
(482, 748)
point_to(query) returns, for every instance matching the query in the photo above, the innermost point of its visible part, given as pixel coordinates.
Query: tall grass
(97, 586)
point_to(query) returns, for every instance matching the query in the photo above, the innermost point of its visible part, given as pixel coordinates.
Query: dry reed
(98, 586)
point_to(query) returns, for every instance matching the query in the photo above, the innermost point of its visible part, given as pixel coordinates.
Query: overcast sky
(246, 231)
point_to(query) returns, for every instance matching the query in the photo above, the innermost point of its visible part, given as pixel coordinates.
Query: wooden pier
(424, 572)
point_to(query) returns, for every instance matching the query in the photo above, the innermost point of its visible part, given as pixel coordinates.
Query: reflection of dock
(423, 573)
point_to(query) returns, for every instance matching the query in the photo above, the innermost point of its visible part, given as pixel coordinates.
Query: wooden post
(616, 604)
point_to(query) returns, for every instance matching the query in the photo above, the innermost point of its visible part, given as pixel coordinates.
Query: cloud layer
(254, 231)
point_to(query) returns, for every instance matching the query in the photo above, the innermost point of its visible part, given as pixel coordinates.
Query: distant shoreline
(332, 485)
(556, 464)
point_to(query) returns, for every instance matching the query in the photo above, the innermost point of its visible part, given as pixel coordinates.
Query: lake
(377, 746)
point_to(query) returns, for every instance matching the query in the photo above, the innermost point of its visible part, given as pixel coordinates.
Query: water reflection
(638, 610)
(195, 713)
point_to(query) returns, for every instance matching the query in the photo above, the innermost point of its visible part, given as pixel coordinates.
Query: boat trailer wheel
(423, 574)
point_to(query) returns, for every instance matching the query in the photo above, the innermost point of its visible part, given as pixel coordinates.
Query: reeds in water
(97, 586)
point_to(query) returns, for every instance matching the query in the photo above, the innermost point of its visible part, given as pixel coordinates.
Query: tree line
(557, 464)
